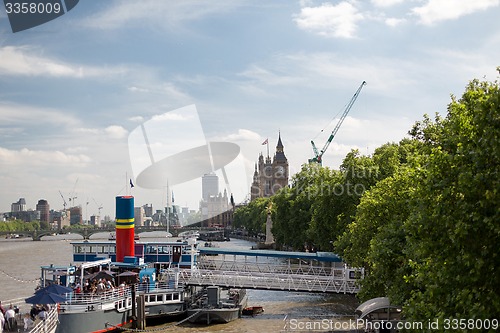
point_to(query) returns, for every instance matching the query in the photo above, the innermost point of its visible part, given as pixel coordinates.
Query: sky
(77, 92)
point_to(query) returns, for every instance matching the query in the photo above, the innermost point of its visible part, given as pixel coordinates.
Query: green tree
(376, 239)
(293, 207)
(454, 231)
(253, 216)
(334, 209)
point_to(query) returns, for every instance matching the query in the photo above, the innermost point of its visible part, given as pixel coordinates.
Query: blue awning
(319, 256)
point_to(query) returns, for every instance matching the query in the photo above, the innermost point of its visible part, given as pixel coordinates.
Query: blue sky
(73, 89)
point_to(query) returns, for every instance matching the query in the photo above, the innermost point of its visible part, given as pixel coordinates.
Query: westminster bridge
(37, 235)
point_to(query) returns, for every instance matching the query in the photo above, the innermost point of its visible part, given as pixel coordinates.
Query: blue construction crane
(318, 154)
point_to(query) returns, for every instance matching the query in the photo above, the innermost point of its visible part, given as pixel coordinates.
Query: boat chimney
(124, 227)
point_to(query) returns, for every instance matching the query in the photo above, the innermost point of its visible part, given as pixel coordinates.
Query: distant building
(61, 218)
(19, 206)
(209, 186)
(43, 207)
(76, 215)
(270, 176)
(95, 220)
(148, 210)
(214, 206)
(139, 216)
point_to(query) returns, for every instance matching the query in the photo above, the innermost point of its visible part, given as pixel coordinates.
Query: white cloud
(441, 10)
(242, 134)
(22, 115)
(136, 119)
(116, 132)
(330, 20)
(26, 156)
(137, 89)
(22, 60)
(173, 116)
(386, 3)
(394, 22)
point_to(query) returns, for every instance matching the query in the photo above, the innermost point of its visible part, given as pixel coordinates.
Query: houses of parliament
(270, 175)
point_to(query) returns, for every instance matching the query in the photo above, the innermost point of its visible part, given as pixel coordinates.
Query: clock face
(281, 170)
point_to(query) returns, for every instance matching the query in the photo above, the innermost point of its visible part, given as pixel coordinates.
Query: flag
(265, 142)
(131, 184)
(232, 200)
(173, 197)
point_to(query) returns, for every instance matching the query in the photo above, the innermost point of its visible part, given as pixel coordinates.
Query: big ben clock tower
(280, 167)
(270, 176)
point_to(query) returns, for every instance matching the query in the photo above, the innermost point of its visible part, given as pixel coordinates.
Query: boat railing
(103, 297)
(158, 287)
(49, 324)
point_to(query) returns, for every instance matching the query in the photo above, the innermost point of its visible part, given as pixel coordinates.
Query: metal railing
(103, 297)
(49, 324)
(336, 283)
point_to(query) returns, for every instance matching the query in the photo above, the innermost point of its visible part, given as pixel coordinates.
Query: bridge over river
(87, 232)
(273, 270)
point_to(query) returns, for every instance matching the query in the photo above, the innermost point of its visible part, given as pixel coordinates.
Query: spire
(280, 154)
(279, 146)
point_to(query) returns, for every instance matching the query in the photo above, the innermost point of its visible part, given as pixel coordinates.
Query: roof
(280, 144)
(373, 305)
(319, 256)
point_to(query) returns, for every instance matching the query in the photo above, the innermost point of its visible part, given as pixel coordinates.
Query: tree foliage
(18, 225)
(454, 231)
(253, 216)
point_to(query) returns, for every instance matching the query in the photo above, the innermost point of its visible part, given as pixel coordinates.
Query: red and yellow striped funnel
(124, 227)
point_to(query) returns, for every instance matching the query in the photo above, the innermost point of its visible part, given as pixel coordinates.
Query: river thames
(20, 269)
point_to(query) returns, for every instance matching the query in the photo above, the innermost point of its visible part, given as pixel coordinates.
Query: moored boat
(209, 307)
(153, 273)
(252, 310)
(108, 278)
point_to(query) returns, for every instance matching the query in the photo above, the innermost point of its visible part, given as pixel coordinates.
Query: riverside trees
(422, 216)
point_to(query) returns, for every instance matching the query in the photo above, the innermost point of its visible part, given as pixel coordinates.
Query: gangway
(272, 270)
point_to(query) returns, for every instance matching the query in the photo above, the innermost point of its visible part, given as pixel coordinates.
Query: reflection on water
(20, 268)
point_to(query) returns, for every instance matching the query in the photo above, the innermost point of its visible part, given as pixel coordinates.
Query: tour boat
(151, 273)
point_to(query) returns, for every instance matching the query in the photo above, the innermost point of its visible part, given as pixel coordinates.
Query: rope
(18, 280)
(154, 329)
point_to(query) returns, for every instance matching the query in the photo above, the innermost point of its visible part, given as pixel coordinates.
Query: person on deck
(10, 318)
(28, 322)
(2, 321)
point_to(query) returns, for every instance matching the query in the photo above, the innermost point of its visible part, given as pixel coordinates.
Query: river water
(20, 261)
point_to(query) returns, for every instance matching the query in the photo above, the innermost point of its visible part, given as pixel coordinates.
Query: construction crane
(318, 154)
(73, 194)
(99, 207)
(64, 200)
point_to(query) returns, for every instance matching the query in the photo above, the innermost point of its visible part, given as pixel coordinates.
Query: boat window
(120, 305)
(152, 298)
(176, 296)
(169, 297)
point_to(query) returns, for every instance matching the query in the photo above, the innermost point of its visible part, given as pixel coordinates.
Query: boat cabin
(171, 254)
